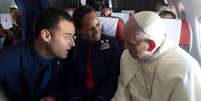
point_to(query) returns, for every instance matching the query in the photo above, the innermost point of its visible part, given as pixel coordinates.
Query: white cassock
(170, 75)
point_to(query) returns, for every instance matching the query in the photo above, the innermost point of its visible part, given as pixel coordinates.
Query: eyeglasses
(70, 36)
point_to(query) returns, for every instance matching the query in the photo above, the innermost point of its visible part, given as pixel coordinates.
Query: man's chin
(64, 56)
(97, 38)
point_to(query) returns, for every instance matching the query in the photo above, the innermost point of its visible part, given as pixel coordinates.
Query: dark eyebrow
(68, 33)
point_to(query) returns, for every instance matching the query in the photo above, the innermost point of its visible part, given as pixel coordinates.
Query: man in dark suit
(94, 63)
(26, 70)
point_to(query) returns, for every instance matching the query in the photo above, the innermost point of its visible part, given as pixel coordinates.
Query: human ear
(151, 45)
(45, 34)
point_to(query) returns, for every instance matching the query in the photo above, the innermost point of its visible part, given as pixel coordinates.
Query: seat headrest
(124, 16)
(108, 25)
(173, 29)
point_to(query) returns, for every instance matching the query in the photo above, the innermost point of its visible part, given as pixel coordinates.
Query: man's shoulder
(180, 61)
(12, 49)
(12, 53)
(179, 57)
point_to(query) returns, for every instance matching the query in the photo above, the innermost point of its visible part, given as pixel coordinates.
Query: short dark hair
(49, 20)
(80, 13)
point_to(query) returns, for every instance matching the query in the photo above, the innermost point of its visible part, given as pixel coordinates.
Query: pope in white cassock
(152, 67)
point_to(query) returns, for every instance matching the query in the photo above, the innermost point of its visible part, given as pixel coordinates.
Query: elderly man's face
(135, 40)
(90, 29)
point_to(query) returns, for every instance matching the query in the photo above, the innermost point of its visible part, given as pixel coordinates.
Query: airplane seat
(119, 33)
(179, 31)
(113, 27)
(124, 16)
(186, 36)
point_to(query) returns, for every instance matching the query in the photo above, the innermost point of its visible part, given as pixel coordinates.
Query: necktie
(89, 72)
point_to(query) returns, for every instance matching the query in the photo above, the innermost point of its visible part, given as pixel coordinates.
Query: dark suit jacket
(105, 62)
(19, 73)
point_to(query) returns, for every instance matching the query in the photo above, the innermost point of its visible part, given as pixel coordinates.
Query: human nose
(72, 43)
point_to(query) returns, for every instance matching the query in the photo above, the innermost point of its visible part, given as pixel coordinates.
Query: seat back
(109, 25)
(186, 36)
(123, 15)
(112, 27)
(173, 29)
(179, 31)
